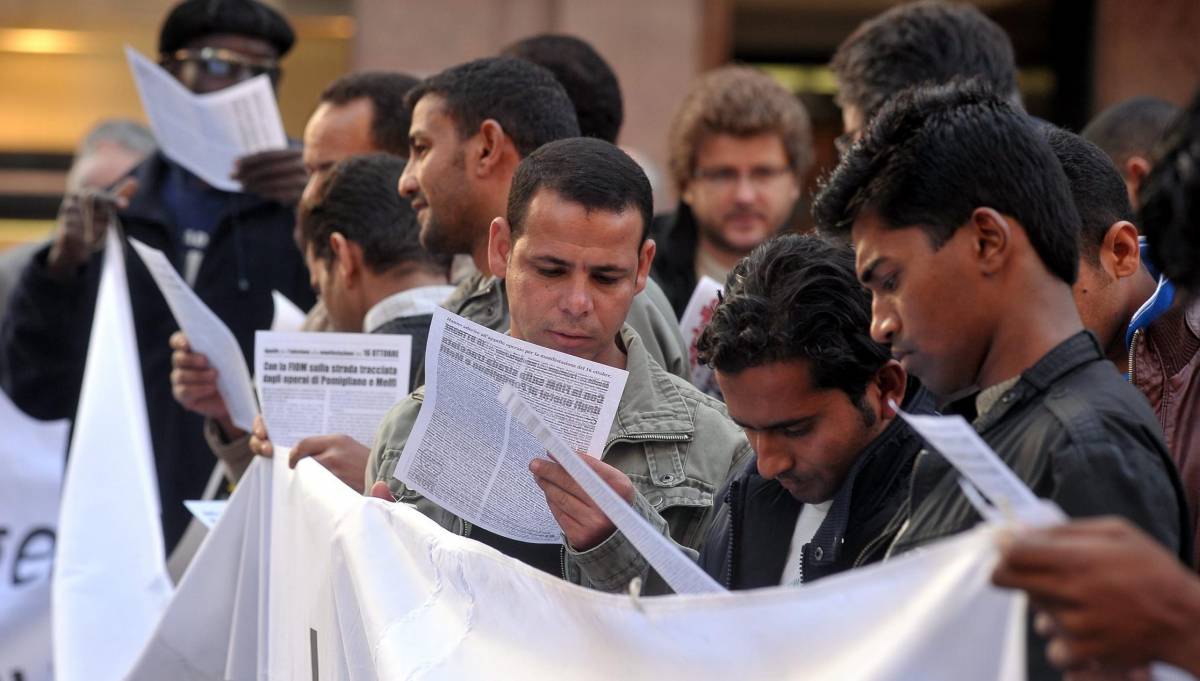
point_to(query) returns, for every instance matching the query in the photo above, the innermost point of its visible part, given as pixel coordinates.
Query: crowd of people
(969, 259)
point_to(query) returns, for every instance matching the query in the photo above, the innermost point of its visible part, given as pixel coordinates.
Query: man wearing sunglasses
(233, 248)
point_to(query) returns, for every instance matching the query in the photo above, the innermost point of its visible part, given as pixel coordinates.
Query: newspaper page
(329, 383)
(207, 334)
(207, 133)
(696, 316)
(469, 455)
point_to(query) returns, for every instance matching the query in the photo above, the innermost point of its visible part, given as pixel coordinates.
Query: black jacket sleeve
(44, 338)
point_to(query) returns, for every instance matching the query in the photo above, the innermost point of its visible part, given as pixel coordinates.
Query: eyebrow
(868, 272)
(778, 425)
(559, 262)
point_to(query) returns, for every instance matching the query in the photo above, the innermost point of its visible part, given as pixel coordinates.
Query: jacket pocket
(686, 505)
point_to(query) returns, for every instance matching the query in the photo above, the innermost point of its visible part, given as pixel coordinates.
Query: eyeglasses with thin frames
(728, 178)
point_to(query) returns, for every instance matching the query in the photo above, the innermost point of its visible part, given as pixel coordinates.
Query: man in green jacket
(573, 253)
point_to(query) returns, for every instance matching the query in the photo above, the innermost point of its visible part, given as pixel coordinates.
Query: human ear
(992, 239)
(891, 380)
(1134, 171)
(491, 141)
(645, 259)
(499, 247)
(1120, 253)
(347, 257)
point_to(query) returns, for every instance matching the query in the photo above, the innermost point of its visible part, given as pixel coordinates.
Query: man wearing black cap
(232, 248)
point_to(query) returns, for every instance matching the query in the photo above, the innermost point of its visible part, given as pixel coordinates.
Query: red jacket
(1164, 363)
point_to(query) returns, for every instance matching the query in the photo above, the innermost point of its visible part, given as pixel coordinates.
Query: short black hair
(1096, 188)
(589, 81)
(524, 98)
(1169, 201)
(922, 43)
(359, 200)
(796, 297)
(1130, 128)
(936, 153)
(390, 116)
(584, 170)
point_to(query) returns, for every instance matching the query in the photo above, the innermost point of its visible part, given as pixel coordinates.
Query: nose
(769, 458)
(884, 322)
(577, 301)
(745, 190)
(408, 182)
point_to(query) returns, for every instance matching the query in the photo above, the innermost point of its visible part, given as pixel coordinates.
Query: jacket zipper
(648, 437)
(866, 549)
(1132, 349)
(466, 528)
(562, 561)
(729, 500)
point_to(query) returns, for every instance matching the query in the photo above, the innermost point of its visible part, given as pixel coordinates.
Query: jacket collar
(1076, 351)
(651, 403)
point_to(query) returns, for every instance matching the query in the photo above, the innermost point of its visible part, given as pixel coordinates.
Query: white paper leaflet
(287, 316)
(32, 453)
(348, 587)
(207, 334)
(1003, 493)
(695, 317)
(329, 383)
(680, 572)
(110, 582)
(207, 133)
(468, 455)
(207, 511)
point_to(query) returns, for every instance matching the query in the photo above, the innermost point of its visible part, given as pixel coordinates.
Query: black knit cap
(192, 19)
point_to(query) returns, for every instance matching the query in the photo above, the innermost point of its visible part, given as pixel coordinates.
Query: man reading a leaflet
(572, 252)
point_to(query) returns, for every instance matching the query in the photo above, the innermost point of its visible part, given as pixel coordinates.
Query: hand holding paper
(583, 522)
(194, 385)
(676, 569)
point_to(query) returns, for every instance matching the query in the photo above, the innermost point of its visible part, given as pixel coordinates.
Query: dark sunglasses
(217, 62)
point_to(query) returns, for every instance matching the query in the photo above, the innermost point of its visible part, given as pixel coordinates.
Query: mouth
(567, 339)
(418, 205)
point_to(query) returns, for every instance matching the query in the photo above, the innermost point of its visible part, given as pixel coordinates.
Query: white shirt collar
(407, 303)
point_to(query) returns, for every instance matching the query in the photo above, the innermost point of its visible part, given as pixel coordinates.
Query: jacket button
(666, 478)
(655, 499)
(818, 553)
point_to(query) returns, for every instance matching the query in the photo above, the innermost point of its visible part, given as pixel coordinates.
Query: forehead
(336, 131)
(875, 241)
(247, 45)
(557, 226)
(775, 392)
(725, 149)
(430, 117)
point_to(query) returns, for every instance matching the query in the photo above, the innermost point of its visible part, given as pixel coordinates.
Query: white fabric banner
(110, 582)
(354, 588)
(32, 454)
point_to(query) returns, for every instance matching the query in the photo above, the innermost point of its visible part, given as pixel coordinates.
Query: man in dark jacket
(967, 237)
(790, 346)
(740, 145)
(233, 248)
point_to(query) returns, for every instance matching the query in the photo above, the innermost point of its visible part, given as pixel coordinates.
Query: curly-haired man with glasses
(739, 148)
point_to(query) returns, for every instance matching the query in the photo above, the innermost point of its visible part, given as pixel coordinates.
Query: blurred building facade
(62, 65)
